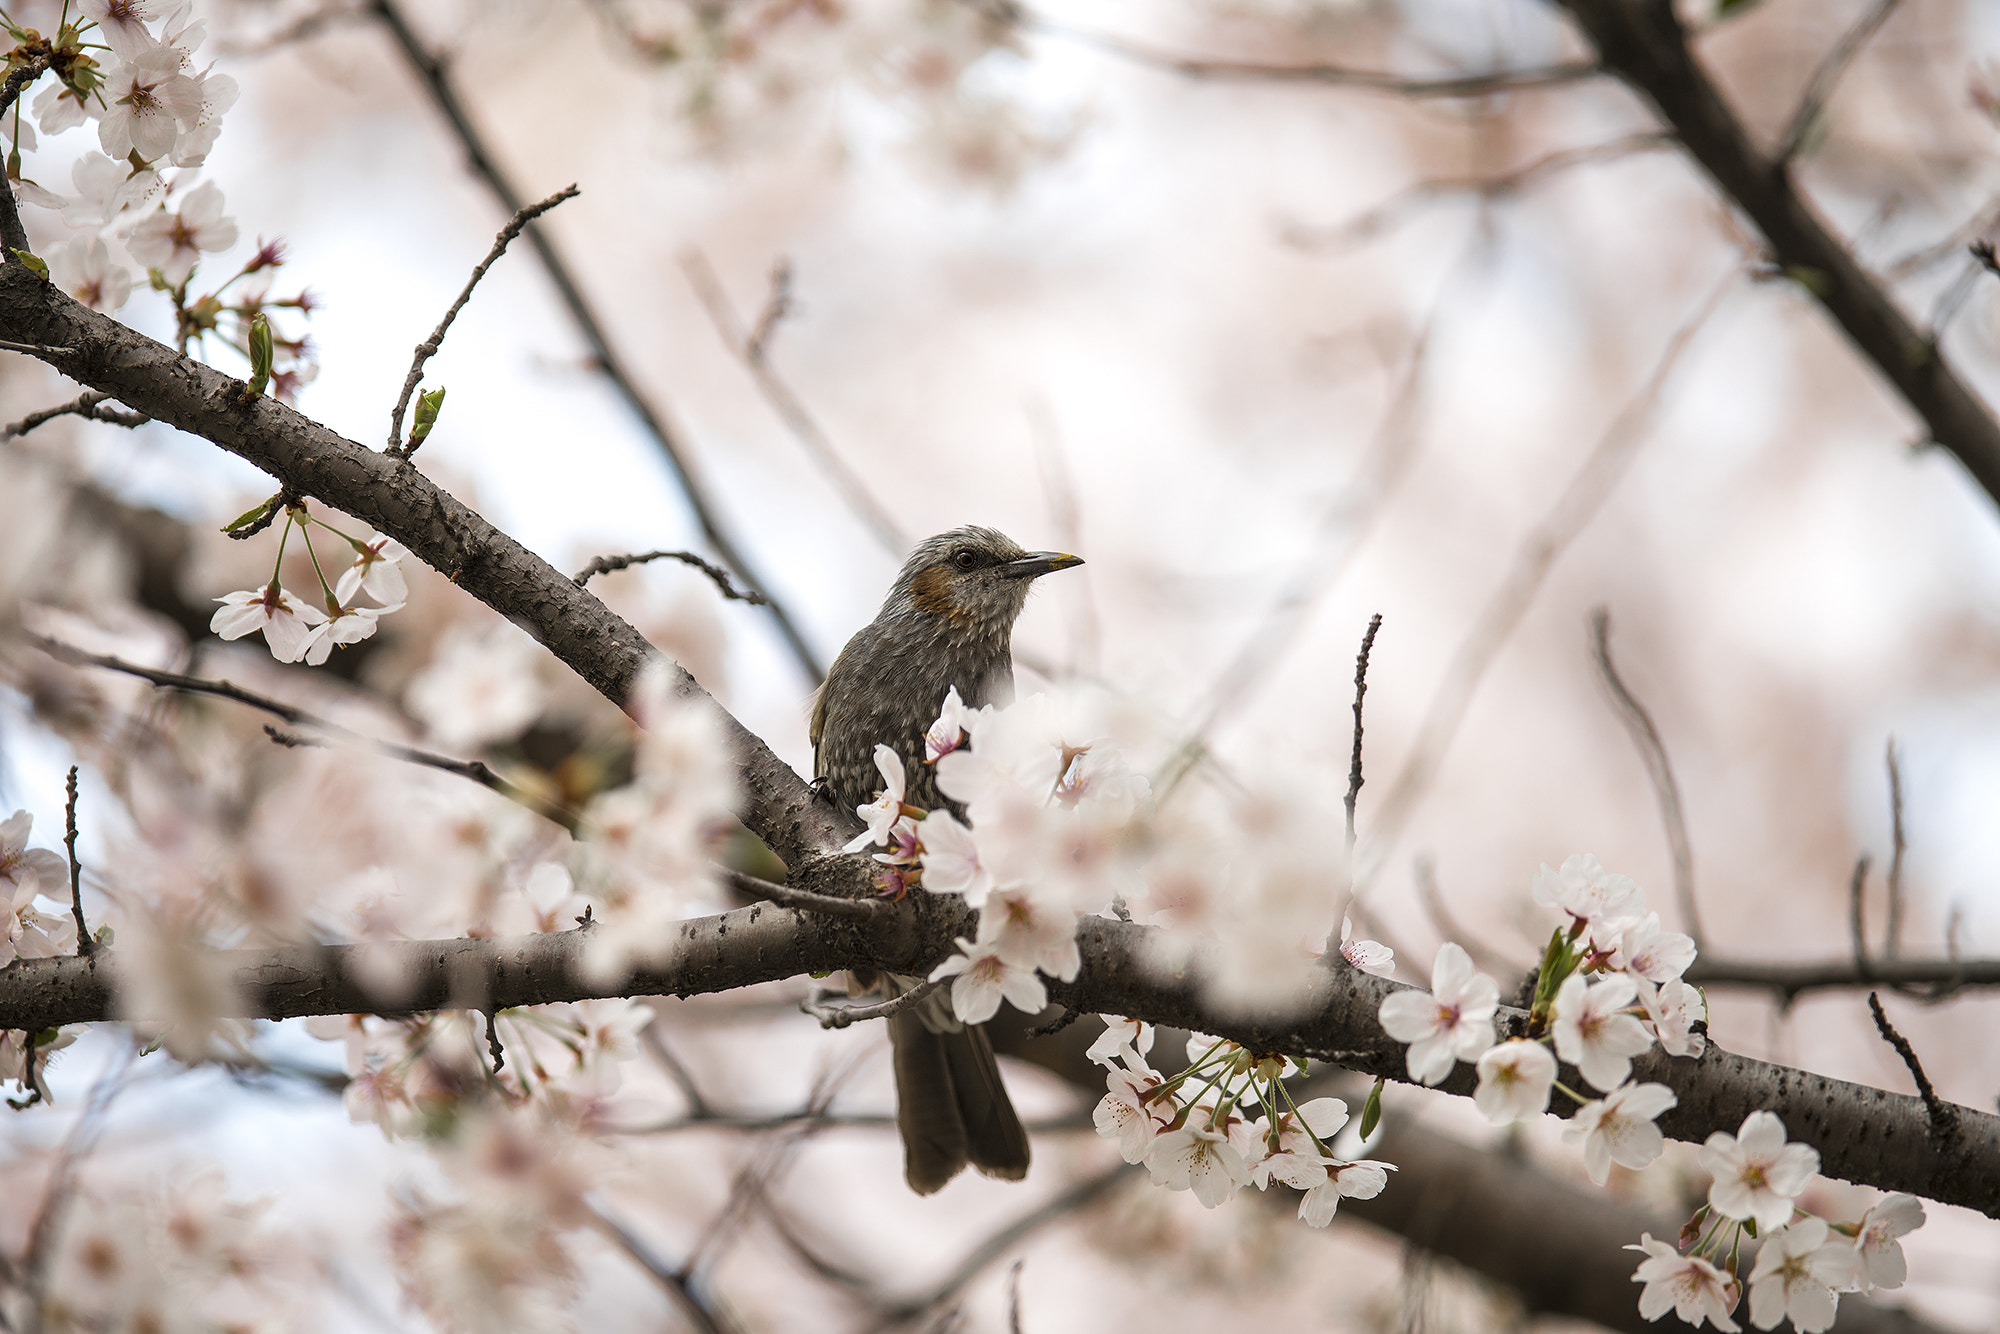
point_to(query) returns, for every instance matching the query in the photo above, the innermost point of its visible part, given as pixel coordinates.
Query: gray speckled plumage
(948, 621)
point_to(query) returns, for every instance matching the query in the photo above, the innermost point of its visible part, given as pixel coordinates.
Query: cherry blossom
(287, 622)
(376, 571)
(951, 858)
(1591, 895)
(1757, 1174)
(1795, 1276)
(1199, 1158)
(1453, 1022)
(146, 96)
(948, 732)
(1028, 931)
(1126, 1040)
(1619, 1128)
(887, 808)
(1126, 1115)
(343, 625)
(174, 242)
(1292, 1154)
(1591, 1031)
(1675, 1009)
(1881, 1254)
(105, 189)
(1358, 1181)
(1515, 1079)
(1367, 955)
(1646, 951)
(1688, 1285)
(984, 979)
(122, 24)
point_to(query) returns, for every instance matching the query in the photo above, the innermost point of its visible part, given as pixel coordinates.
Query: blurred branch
(997, 1244)
(1659, 768)
(1644, 44)
(1787, 981)
(477, 771)
(1374, 221)
(753, 350)
(433, 74)
(698, 1310)
(1533, 558)
(1483, 84)
(1820, 87)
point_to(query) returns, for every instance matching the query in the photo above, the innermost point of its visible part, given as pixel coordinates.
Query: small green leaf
(428, 406)
(251, 516)
(1371, 1111)
(34, 263)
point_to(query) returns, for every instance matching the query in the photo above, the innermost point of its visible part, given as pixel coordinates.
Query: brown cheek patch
(931, 591)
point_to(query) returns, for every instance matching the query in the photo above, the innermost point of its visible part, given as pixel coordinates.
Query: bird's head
(976, 579)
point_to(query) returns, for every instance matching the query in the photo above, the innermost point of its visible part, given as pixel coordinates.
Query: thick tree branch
(307, 459)
(1887, 1140)
(1643, 43)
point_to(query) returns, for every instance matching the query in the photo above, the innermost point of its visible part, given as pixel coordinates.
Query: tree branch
(1643, 43)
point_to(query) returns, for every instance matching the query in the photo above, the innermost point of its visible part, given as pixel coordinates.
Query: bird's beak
(1038, 563)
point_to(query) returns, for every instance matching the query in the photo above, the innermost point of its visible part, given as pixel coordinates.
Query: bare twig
(1943, 1115)
(841, 1016)
(88, 406)
(434, 75)
(84, 944)
(752, 350)
(1820, 87)
(493, 1047)
(1659, 768)
(1360, 689)
(1533, 559)
(828, 904)
(42, 350)
(427, 349)
(476, 771)
(717, 575)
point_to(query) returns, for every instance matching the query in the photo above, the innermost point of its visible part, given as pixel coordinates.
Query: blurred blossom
(82, 267)
(482, 686)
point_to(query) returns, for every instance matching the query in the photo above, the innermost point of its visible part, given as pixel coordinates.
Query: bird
(947, 623)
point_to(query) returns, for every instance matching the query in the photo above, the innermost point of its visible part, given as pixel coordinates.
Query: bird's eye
(965, 560)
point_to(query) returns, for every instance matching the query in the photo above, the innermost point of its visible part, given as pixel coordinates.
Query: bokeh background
(1273, 356)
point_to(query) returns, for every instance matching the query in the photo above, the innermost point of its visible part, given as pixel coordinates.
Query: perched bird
(948, 621)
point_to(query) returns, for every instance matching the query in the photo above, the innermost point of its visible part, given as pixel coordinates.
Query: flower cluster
(1054, 827)
(1609, 987)
(1193, 1132)
(298, 631)
(129, 66)
(1804, 1264)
